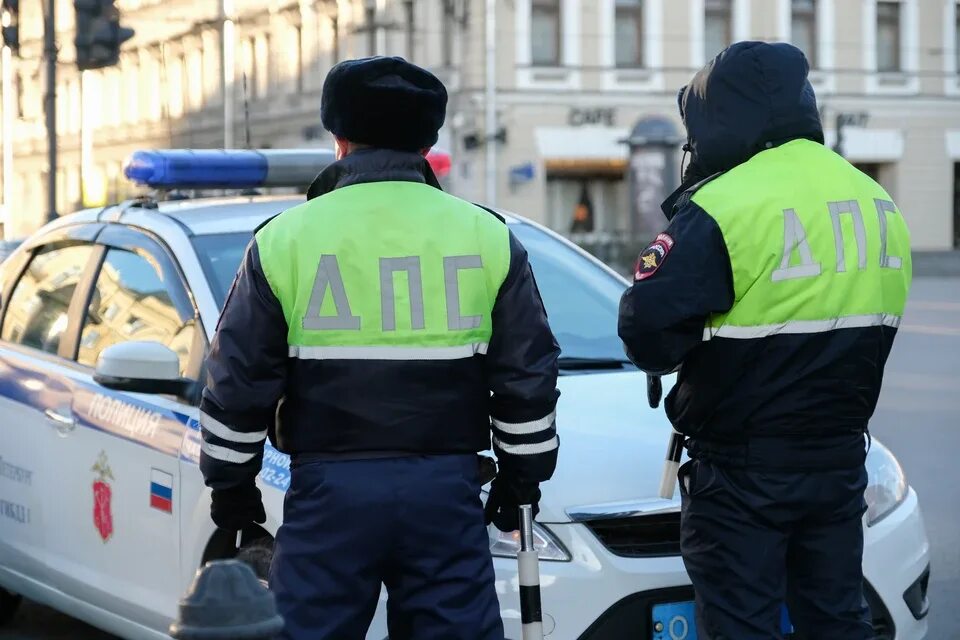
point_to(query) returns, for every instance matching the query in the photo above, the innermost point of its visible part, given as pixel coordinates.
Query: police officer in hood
(385, 324)
(776, 292)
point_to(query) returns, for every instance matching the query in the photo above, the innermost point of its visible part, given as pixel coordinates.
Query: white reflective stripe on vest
(527, 449)
(224, 432)
(526, 428)
(802, 326)
(388, 353)
(225, 454)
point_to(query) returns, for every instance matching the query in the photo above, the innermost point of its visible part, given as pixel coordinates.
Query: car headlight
(886, 484)
(507, 545)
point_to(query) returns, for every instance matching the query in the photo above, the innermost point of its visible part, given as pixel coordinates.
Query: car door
(116, 539)
(39, 290)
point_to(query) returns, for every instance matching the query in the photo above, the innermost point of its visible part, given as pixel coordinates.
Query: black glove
(503, 503)
(235, 508)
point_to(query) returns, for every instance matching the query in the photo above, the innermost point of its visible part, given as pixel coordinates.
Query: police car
(106, 318)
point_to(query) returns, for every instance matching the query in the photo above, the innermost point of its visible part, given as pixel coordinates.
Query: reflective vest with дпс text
(386, 271)
(822, 246)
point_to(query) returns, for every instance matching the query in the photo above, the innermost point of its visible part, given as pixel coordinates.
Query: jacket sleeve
(681, 278)
(522, 372)
(246, 376)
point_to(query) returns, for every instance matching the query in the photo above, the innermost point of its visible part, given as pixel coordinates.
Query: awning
(869, 145)
(582, 150)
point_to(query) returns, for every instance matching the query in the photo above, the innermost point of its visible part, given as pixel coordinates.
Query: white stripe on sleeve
(526, 428)
(527, 449)
(225, 454)
(224, 432)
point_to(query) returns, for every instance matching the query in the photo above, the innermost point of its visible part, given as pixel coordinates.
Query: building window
(629, 33)
(150, 78)
(194, 77)
(262, 60)
(717, 26)
(888, 36)
(803, 28)
(449, 25)
(335, 39)
(249, 66)
(18, 92)
(956, 37)
(175, 84)
(256, 59)
(545, 33)
(295, 57)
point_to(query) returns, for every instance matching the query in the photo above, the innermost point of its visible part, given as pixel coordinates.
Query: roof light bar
(226, 169)
(239, 168)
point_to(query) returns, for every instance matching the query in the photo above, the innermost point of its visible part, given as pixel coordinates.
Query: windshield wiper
(568, 363)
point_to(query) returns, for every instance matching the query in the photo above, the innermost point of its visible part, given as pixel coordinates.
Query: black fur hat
(383, 102)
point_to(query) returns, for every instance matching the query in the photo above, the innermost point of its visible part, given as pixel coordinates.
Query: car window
(581, 298)
(37, 310)
(131, 302)
(220, 256)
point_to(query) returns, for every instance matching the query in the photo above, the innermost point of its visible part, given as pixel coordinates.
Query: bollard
(227, 602)
(531, 611)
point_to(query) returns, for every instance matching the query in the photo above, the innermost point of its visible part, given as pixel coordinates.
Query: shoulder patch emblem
(652, 257)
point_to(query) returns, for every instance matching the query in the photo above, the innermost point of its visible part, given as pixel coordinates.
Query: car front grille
(647, 536)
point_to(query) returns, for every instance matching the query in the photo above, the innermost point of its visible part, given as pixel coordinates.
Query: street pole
(411, 17)
(228, 66)
(490, 124)
(50, 104)
(7, 132)
(370, 21)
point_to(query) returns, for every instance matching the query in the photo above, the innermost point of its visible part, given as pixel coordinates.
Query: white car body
(53, 550)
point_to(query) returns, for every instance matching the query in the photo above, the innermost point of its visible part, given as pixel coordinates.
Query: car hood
(612, 444)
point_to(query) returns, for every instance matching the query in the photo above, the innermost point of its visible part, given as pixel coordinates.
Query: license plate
(677, 621)
(674, 621)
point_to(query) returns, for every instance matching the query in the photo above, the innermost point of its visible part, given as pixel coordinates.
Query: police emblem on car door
(102, 498)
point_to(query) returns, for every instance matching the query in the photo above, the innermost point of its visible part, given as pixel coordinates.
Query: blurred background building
(575, 81)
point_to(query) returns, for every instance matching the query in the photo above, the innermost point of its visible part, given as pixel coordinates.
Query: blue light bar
(226, 169)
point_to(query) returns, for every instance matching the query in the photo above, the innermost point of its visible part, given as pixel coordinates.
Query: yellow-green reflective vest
(439, 265)
(844, 258)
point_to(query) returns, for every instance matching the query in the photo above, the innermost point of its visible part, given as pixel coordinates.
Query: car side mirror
(140, 367)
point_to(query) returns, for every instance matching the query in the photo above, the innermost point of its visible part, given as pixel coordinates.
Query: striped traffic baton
(671, 465)
(531, 613)
(671, 462)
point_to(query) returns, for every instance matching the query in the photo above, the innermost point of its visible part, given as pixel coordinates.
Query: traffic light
(99, 34)
(10, 21)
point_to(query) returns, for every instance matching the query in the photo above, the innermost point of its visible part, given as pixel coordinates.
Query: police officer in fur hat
(380, 332)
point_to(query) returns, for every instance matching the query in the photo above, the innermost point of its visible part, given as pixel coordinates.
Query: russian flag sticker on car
(161, 490)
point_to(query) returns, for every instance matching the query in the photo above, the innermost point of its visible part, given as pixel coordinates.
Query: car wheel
(258, 554)
(9, 603)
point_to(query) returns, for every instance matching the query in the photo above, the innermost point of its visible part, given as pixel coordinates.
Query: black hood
(751, 97)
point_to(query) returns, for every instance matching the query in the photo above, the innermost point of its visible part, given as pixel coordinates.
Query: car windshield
(581, 297)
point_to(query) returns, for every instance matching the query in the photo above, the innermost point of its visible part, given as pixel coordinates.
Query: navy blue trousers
(752, 540)
(414, 524)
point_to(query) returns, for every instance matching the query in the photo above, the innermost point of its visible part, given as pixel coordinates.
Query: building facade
(575, 79)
